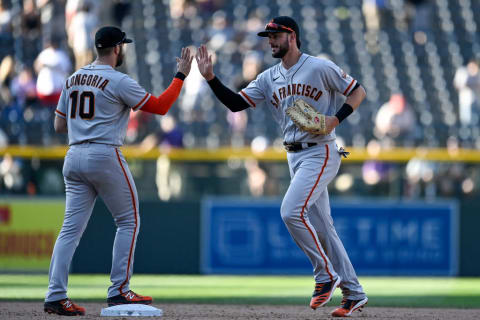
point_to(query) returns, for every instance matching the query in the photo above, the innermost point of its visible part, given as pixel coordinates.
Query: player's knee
(128, 221)
(287, 213)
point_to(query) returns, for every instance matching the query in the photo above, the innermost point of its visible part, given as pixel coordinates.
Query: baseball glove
(306, 118)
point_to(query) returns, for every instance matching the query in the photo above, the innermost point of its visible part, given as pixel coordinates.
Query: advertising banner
(381, 237)
(28, 230)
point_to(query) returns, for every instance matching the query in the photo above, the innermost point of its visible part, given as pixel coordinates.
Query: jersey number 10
(87, 115)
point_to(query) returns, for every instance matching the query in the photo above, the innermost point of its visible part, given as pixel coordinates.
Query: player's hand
(184, 63)
(330, 123)
(204, 62)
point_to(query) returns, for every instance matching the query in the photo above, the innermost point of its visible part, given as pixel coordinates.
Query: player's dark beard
(120, 58)
(282, 50)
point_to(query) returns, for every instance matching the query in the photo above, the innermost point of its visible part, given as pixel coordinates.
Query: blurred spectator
(72, 7)
(53, 66)
(52, 16)
(23, 87)
(219, 31)
(31, 32)
(5, 19)
(374, 11)
(31, 22)
(29, 117)
(169, 135)
(256, 177)
(395, 122)
(11, 180)
(7, 67)
(418, 15)
(138, 126)
(120, 9)
(237, 121)
(6, 37)
(167, 178)
(375, 172)
(420, 176)
(80, 35)
(467, 82)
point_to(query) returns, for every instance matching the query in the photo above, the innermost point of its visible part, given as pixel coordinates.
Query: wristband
(180, 76)
(344, 112)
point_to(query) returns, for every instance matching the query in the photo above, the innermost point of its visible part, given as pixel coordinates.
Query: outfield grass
(382, 291)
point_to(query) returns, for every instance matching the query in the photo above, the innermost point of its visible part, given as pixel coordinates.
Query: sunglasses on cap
(274, 26)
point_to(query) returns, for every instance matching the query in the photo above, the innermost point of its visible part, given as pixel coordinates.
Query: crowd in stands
(41, 43)
(424, 51)
(417, 59)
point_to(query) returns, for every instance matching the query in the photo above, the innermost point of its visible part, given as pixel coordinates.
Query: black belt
(297, 146)
(88, 141)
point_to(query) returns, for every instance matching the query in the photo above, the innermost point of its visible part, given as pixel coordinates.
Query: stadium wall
(170, 241)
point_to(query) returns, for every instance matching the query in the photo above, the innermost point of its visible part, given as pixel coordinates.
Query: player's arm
(354, 98)
(60, 125)
(162, 103)
(230, 99)
(60, 121)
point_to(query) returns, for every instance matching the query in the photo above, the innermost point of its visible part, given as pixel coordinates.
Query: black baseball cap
(110, 37)
(280, 24)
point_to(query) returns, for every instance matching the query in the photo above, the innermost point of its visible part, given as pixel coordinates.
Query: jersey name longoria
(92, 80)
(295, 89)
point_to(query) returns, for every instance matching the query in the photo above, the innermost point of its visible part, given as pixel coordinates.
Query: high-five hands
(184, 63)
(204, 62)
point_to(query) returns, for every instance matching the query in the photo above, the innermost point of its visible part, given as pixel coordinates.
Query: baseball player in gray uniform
(94, 109)
(313, 159)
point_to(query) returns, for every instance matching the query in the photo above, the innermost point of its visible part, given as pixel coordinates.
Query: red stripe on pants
(303, 218)
(136, 222)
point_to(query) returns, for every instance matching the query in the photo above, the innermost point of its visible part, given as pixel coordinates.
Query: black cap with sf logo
(110, 37)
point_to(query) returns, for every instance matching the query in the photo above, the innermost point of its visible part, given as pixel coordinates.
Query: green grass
(382, 291)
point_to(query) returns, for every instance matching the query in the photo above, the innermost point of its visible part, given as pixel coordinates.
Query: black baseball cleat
(323, 293)
(64, 307)
(128, 297)
(348, 306)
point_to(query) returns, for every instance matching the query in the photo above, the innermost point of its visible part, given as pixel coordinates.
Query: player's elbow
(362, 92)
(359, 95)
(60, 129)
(60, 125)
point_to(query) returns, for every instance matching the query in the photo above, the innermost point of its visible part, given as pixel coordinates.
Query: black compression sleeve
(230, 99)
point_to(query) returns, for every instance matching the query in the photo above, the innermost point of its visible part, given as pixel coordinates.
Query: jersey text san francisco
(298, 89)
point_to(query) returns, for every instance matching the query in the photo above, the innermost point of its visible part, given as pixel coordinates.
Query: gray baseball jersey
(305, 207)
(96, 102)
(319, 82)
(100, 99)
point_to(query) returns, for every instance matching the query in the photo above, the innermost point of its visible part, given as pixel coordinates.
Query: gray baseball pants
(91, 170)
(306, 213)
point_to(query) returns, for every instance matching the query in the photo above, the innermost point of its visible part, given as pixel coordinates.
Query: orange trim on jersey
(303, 218)
(348, 88)
(136, 222)
(60, 113)
(141, 101)
(161, 104)
(248, 98)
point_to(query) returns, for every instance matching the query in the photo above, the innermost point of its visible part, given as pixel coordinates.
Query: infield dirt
(34, 310)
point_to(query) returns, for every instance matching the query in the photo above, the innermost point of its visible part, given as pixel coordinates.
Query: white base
(131, 310)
